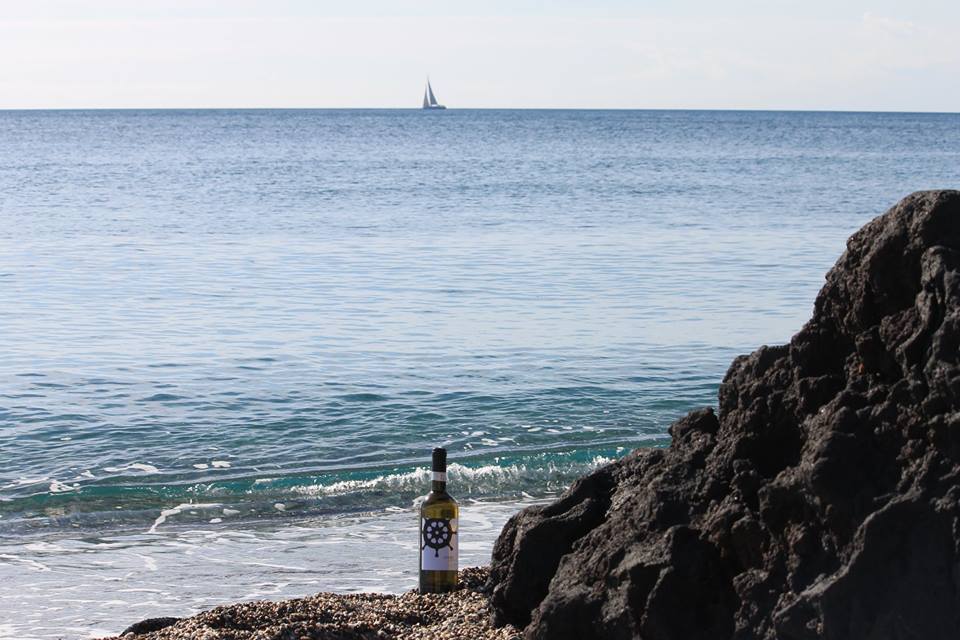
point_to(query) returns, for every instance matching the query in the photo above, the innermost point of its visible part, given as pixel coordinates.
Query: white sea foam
(137, 466)
(19, 482)
(30, 564)
(486, 479)
(59, 487)
(43, 547)
(180, 508)
(149, 563)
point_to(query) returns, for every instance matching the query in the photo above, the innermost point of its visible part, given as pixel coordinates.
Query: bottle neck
(439, 482)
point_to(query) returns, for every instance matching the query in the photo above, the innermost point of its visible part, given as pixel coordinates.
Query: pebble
(461, 615)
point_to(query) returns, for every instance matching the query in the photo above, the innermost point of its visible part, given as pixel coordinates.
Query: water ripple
(252, 308)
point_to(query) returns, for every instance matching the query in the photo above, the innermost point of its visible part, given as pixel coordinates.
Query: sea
(229, 339)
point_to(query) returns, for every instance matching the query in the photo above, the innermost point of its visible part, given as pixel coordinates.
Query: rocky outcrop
(149, 626)
(820, 501)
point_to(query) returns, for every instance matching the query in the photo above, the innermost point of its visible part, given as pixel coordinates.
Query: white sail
(430, 100)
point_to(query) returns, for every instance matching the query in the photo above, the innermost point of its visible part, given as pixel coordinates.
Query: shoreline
(183, 571)
(464, 613)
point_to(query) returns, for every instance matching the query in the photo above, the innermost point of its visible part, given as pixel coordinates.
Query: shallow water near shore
(230, 338)
(96, 585)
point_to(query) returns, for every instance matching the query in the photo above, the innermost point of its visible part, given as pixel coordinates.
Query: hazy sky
(757, 54)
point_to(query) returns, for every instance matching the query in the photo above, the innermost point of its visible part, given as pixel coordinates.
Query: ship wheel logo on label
(437, 534)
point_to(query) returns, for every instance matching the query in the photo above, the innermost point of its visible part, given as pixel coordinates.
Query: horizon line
(448, 109)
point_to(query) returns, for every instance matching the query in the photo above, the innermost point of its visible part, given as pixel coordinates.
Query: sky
(694, 54)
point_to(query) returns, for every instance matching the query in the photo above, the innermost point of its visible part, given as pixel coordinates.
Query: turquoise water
(231, 323)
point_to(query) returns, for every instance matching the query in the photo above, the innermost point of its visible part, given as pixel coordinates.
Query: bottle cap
(440, 459)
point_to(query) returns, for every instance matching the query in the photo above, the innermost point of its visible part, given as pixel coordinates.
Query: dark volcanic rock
(149, 625)
(822, 502)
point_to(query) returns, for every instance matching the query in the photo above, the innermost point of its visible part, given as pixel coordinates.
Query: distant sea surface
(229, 339)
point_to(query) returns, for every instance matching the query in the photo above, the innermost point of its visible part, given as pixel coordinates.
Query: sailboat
(430, 100)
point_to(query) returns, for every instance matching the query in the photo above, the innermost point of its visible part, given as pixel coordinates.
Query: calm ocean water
(229, 339)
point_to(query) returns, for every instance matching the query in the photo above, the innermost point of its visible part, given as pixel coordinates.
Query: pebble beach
(464, 613)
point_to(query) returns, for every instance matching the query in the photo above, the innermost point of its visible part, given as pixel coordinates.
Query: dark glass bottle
(439, 532)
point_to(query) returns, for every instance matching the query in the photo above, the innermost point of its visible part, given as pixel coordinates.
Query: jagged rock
(149, 625)
(822, 501)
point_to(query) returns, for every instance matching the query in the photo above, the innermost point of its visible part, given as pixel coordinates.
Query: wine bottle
(439, 532)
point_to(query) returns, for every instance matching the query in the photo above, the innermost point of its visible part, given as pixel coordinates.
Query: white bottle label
(439, 544)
